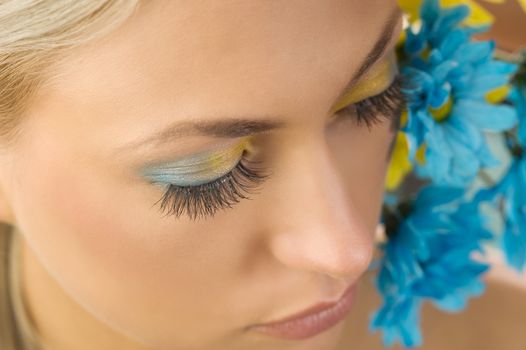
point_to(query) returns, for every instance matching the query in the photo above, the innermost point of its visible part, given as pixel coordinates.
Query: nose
(316, 224)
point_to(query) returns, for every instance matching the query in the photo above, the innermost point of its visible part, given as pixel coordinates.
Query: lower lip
(312, 324)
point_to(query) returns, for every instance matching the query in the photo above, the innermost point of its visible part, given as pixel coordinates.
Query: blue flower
(518, 97)
(509, 195)
(428, 256)
(514, 196)
(450, 77)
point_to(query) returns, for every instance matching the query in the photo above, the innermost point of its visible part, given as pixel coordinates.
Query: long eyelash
(205, 199)
(389, 104)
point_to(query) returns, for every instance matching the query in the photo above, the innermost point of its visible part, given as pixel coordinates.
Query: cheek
(81, 231)
(112, 254)
(67, 213)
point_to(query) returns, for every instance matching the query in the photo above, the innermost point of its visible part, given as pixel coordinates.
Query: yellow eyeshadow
(220, 163)
(200, 168)
(372, 84)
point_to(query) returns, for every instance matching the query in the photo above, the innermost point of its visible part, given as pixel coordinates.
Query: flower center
(441, 113)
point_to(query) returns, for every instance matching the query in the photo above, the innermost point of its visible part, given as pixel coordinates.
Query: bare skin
(509, 26)
(102, 269)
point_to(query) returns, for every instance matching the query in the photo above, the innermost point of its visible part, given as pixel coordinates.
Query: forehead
(177, 59)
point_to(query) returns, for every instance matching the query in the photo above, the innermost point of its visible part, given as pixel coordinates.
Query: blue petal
(435, 196)
(474, 52)
(514, 244)
(453, 41)
(486, 116)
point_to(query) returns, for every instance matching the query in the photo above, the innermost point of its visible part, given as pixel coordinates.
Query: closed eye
(387, 105)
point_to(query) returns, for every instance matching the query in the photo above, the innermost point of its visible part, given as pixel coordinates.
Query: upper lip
(316, 308)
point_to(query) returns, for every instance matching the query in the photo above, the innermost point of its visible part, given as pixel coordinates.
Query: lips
(311, 321)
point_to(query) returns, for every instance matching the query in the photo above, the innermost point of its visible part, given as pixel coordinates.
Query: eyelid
(200, 168)
(372, 84)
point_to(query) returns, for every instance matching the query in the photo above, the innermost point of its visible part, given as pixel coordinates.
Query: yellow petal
(442, 112)
(479, 16)
(403, 118)
(498, 94)
(400, 165)
(421, 154)
(411, 7)
(401, 39)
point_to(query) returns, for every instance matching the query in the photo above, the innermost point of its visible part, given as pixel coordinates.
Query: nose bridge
(318, 227)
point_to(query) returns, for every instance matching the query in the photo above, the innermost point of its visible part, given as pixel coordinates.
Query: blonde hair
(36, 33)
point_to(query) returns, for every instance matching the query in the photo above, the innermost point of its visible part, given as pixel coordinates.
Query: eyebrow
(239, 127)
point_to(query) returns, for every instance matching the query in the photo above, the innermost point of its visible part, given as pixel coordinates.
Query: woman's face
(83, 182)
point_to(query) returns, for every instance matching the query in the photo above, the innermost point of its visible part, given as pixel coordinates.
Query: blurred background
(509, 29)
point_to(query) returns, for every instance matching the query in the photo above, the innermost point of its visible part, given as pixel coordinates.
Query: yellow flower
(411, 7)
(400, 165)
(479, 16)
